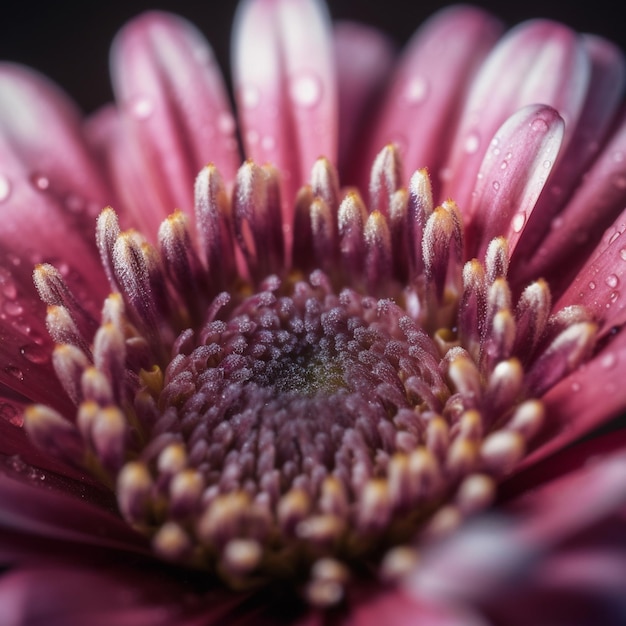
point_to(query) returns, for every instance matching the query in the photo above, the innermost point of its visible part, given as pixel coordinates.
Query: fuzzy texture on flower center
(264, 419)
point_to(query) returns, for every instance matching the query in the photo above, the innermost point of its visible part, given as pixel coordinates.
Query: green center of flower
(263, 422)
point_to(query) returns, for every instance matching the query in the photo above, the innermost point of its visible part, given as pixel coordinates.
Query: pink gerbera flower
(335, 383)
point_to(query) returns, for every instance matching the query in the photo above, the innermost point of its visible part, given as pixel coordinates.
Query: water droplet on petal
(14, 371)
(496, 185)
(518, 222)
(141, 107)
(12, 308)
(416, 90)
(622, 254)
(7, 285)
(504, 165)
(613, 237)
(547, 164)
(306, 90)
(472, 143)
(268, 142)
(34, 353)
(613, 297)
(612, 280)
(250, 96)
(10, 413)
(226, 123)
(539, 125)
(592, 285)
(40, 181)
(5, 188)
(608, 361)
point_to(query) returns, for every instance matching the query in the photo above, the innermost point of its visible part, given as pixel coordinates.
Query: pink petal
(600, 283)
(364, 57)
(513, 76)
(285, 88)
(398, 608)
(586, 399)
(512, 176)
(50, 192)
(29, 507)
(175, 113)
(576, 231)
(422, 104)
(608, 73)
(488, 557)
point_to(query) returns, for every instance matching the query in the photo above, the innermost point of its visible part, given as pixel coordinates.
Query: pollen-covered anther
(397, 563)
(241, 556)
(327, 583)
(172, 542)
(134, 489)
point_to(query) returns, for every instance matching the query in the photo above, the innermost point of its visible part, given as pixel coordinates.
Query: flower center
(264, 423)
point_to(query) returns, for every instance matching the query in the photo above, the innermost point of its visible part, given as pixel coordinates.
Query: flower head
(268, 381)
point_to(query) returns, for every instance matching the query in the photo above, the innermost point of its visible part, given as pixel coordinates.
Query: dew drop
(518, 222)
(5, 188)
(14, 371)
(226, 123)
(472, 143)
(416, 90)
(496, 185)
(592, 285)
(268, 142)
(252, 137)
(612, 280)
(608, 361)
(504, 165)
(12, 308)
(613, 297)
(40, 181)
(10, 413)
(250, 97)
(613, 237)
(141, 107)
(7, 285)
(539, 125)
(622, 254)
(547, 164)
(306, 90)
(34, 353)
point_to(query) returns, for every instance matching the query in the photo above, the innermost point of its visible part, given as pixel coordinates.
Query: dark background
(69, 39)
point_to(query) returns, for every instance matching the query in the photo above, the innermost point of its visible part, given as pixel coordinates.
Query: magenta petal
(514, 76)
(578, 228)
(600, 282)
(512, 175)
(285, 88)
(608, 73)
(489, 556)
(50, 192)
(420, 109)
(33, 509)
(586, 399)
(364, 58)
(175, 112)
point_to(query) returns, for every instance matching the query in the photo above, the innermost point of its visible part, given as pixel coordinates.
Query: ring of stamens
(298, 425)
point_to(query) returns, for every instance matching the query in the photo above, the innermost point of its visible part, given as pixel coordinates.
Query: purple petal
(514, 76)
(285, 87)
(512, 175)
(420, 110)
(174, 111)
